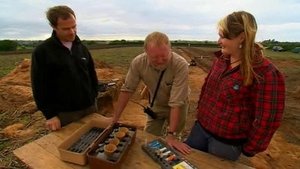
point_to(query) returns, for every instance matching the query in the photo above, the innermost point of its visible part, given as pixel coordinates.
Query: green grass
(9, 62)
(3, 144)
(288, 63)
(282, 55)
(120, 57)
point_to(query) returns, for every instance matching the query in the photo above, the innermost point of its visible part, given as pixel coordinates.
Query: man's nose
(73, 30)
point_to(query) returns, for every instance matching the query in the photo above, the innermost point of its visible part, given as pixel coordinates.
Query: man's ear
(54, 28)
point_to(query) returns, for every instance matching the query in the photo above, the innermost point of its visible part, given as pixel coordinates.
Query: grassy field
(121, 57)
(117, 57)
(282, 55)
(288, 63)
(9, 62)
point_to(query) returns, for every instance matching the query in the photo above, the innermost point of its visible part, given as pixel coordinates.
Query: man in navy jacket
(64, 81)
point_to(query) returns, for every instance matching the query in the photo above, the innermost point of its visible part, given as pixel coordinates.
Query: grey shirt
(173, 90)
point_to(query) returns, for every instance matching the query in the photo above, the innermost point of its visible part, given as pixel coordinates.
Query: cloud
(290, 33)
(134, 19)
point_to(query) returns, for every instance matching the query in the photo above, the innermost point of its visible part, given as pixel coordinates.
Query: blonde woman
(242, 100)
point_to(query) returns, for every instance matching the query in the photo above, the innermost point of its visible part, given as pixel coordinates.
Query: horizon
(143, 40)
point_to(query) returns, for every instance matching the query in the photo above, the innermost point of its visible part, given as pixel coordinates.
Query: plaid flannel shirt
(230, 110)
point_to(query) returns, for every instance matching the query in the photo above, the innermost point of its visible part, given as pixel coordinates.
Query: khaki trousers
(159, 126)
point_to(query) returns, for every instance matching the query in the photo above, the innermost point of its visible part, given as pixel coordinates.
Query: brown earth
(16, 101)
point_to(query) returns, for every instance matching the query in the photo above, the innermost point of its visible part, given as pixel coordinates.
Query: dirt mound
(15, 89)
(19, 76)
(108, 74)
(17, 130)
(101, 64)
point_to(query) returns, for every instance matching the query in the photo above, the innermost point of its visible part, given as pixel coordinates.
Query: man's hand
(53, 124)
(110, 121)
(114, 119)
(182, 147)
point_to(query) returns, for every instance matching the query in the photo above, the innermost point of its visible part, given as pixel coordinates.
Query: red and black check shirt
(230, 110)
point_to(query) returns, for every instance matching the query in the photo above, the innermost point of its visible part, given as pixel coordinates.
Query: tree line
(288, 46)
(22, 45)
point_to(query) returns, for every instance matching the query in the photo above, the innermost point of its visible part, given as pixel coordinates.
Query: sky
(134, 19)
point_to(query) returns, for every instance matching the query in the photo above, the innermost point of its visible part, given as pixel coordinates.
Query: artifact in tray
(113, 146)
(166, 156)
(85, 140)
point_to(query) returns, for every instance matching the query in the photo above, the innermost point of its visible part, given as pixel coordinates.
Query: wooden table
(43, 153)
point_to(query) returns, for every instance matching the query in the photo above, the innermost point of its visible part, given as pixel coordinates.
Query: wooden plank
(36, 156)
(43, 153)
(209, 161)
(50, 143)
(136, 157)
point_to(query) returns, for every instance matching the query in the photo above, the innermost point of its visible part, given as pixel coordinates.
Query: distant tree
(89, 42)
(8, 45)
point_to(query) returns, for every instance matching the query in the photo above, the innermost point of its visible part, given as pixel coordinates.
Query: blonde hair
(233, 25)
(156, 39)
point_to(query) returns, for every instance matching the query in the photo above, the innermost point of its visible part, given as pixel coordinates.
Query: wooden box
(75, 150)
